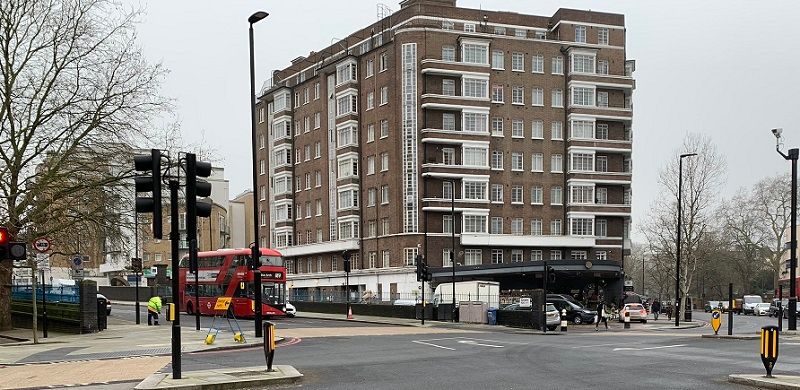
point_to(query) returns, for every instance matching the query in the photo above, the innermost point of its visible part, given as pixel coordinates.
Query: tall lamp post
(678, 241)
(256, 251)
(793, 154)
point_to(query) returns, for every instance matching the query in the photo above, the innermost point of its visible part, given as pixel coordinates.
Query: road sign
(222, 303)
(42, 261)
(77, 263)
(524, 302)
(78, 274)
(42, 244)
(716, 320)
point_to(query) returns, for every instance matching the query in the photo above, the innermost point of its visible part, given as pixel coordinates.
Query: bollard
(769, 347)
(627, 319)
(269, 343)
(563, 320)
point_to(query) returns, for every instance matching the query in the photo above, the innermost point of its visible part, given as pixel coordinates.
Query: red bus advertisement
(225, 273)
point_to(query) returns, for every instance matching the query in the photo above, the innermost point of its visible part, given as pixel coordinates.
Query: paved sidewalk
(231, 378)
(779, 382)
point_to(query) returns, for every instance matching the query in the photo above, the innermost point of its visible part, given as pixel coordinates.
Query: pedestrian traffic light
(149, 183)
(346, 261)
(426, 272)
(4, 239)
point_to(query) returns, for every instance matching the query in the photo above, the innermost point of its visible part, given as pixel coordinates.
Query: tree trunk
(5, 294)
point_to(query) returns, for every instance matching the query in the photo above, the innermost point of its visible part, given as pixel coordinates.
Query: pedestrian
(153, 310)
(656, 307)
(601, 316)
(669, 311)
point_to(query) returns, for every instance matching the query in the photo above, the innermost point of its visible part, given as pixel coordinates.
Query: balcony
(445, 205)
(622, 114)
(606, 81)
(323, 247)
(601, 177)
(452, 102)
(482, 239)
(603, 145)
(450, 170)
(453, 68)
(453, 137)
(602, 209)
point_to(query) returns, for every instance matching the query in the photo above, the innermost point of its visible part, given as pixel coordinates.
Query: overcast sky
(722, 68)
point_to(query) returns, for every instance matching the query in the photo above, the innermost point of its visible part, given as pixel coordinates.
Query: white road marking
(649, 348)
(597, 345)
(472, 342)
(433, 345)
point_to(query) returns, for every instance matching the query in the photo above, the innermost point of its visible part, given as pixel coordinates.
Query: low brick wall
(358, 308)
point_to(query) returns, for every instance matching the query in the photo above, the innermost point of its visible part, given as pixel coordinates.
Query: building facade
(502, 137)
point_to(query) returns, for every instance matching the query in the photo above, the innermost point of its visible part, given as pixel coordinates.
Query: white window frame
(537, 97)
(557, 65)
(537, 162)
(517, 194)
(556, 163)
(537, 63)
(518, 95)
(580, 33)
(517, 62)
(557, 98)
(537, 195)
(474, 52)
(517, 161)
(517, 128)
(537, 129)
(498, 60)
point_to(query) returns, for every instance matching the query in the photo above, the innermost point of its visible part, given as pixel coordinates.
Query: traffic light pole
(44, 306)
(543, 317)
(174, 236)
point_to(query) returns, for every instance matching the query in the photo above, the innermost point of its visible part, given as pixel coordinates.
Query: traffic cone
(350, 313)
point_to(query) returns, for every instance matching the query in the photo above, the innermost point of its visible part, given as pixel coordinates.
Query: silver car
(636, 310)
(553, 320)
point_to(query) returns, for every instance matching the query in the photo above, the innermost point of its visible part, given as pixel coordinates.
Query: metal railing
(67, 294)
(405, 299)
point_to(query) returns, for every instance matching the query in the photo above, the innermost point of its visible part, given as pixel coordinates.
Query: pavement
(779, 382)
(232, 378)
(127, 353)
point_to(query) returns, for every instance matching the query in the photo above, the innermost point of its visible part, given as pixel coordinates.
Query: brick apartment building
(524, 120)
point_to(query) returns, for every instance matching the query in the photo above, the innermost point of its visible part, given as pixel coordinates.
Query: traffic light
(551, 274)
(149, 183)
(4, 239)
(11, 250)
(136, 264)
(196, 187)
(346, 261)
(426, 273)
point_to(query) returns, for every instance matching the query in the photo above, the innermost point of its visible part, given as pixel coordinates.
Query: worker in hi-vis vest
(153, 309)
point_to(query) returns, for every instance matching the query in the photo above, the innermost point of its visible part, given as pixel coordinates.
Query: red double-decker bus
(225, 273)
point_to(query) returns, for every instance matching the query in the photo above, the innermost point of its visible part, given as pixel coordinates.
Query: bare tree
(744, 234)
(75, 95)
(703, 175)
(772, 202)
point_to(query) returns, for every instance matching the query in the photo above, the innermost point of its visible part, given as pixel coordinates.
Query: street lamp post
(256, 251)
(793, 155)
(678, 242)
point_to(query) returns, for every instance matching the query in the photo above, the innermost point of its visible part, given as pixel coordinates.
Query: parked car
(576, 313)
(552, 317)
(712, 305)
(636, 310)
(101, 299)
(290, 310)
(773, 307)
(761, 309)
(749, 302)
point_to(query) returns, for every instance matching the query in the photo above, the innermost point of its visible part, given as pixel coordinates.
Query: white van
(483, 291)
(749, 303)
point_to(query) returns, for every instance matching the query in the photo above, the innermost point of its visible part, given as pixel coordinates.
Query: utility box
(472, 312)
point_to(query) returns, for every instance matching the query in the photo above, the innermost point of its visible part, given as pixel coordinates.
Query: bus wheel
(189, 310)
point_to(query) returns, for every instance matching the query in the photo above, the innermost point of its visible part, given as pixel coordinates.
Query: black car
(576, 313)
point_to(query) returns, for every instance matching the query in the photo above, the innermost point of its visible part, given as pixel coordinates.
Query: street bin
(491, 316)
(444, 312)
(687, 313)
